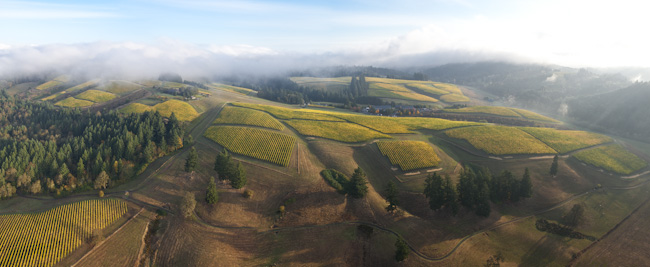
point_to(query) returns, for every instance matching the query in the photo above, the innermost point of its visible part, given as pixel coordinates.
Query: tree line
(58, 150)
(475, 190)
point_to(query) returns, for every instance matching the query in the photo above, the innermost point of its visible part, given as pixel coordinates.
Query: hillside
(456, 191)
(623, 112)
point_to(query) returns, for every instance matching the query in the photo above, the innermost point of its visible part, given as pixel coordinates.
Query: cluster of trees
(357, 186)
(187, 92)
(286, 91)
(475, 190)
(45, 148)
(229, 170)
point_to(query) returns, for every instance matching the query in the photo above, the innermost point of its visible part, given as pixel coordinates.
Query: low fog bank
(129, 60)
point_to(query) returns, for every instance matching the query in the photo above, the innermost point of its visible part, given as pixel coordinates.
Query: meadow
(246, 116)
(72, 102)
(500, 140)
(566, 141)
(42, 239)
(613, 158)
(409, 155)
(95, 96)
(261, 144)
(339, 131)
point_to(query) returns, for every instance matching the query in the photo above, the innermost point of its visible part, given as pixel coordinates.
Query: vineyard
(135, 108)
(501, 140)
(245, 116)
(229, 88)
(339, 131)
(95, 96)
(566, 141)
(288, 114)
(454, 98)
(416, 123)
(397, 91)
(256, 143)
(72, 102)
(382, 124)
(120, 87)
(42, 239)
(613, 158)
(428, 88)
(534, 116)
(55, 82)
(499, 111)
(182, 110)
(409, 155)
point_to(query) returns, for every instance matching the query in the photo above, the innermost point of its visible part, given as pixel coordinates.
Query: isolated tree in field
(212, 196)
(238, 176)
(190, 140)
(358, 184)
(188, 203)
(101, 181)
(494, 260)
(401, 250)
(391, 196)
(526, 185)
(221, 165)
(575, 216)
(554, 166)
(192, 160)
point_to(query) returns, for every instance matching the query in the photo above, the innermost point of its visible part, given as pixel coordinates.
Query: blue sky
(568, 32)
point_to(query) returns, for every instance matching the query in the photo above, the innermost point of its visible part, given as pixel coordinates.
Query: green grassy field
(95, 96)
(245, 116)
(613, 158)
(409, 155)
(339, 131)
(501, 140)
(566, 141)
(72, 102)
(261, 144)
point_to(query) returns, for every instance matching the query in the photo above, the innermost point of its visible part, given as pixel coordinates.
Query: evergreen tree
(468, 188)
(483, 205)
(391, 196)
(222, 163)
(526, 184)
(212, 196)
(553, 171)
(191, 161)
(238, 176)
(451, 196)
(401, 250)
(188, 203)
(434, 191)
(358, 184)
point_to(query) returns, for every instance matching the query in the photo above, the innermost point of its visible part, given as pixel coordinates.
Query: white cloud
(39, 10)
